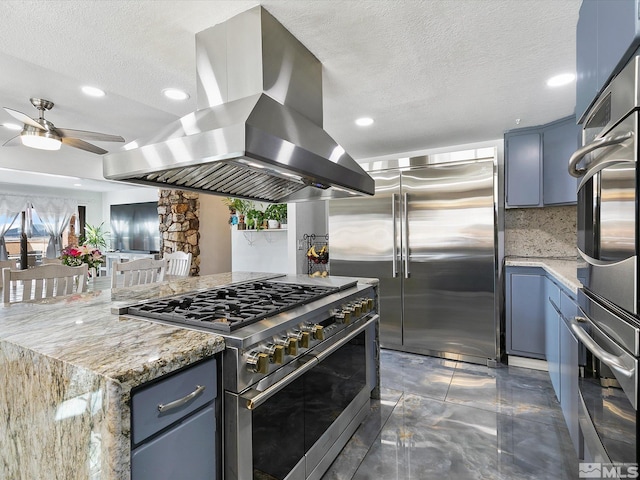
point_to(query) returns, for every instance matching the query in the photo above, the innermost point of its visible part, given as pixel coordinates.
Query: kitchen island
(67, 367)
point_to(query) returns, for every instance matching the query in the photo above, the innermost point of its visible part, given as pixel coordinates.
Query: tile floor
(442, 419)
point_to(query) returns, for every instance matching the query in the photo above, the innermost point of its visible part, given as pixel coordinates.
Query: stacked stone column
(179, 215)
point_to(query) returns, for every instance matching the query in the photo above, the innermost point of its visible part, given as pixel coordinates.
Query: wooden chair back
(51, 261)
(138, 272)
(12, 264)
(43, 282)
(179, 264)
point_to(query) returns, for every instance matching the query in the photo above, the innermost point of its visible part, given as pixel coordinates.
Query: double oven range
(608, 322)
(298, 370)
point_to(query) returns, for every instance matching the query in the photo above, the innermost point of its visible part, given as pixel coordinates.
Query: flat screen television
(135, 227)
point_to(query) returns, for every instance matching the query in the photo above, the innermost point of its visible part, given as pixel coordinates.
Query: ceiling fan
(42, 134)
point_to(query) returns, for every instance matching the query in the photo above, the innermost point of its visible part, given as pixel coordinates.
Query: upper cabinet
(608, 34)
(536, 161)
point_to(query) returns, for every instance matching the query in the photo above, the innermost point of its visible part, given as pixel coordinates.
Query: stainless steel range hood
(257, 133)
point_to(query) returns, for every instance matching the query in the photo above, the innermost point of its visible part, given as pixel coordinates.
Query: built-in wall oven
(608, 323)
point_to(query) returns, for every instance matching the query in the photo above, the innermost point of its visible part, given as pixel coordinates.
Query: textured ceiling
(431, 73)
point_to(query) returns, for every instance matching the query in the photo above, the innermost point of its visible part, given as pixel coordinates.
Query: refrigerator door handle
(394, 267)
(405, 231)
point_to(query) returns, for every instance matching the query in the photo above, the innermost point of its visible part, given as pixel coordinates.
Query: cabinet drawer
(187, 451)
(147, 419)
(568, 306)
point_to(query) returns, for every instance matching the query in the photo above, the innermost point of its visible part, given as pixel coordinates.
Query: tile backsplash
(540, 232)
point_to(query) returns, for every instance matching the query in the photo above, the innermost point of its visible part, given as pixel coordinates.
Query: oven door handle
(579, 154)
(255, 400)
(611, 361)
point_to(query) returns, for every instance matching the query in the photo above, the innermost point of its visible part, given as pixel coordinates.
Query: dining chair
(43, 282)
(12, 264)
(138, 272)
(51, 261)
(179, 264)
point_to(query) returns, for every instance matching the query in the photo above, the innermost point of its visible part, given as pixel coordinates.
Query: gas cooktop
(228, 308)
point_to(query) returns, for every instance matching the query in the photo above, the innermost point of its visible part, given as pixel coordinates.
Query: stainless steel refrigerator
(429, 235)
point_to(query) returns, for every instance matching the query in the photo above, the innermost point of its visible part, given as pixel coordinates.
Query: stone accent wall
(540, 232)
(179, 215)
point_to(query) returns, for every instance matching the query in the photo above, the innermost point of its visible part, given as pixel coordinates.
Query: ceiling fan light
(40, 139)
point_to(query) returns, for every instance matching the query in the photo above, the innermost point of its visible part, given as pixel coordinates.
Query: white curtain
(55, 214)
(10, 208)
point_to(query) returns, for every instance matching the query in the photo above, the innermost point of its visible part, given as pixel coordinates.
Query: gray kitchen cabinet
(523, 152)
(525, 312)
(536, 160)
(559, 140)
(569, 369)
(552, 333)
(607, 35)
(174, 425)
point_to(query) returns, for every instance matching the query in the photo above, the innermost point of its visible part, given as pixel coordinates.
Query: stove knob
(293, 346)
(258, 362)
(278, 354)
(357, 309)
(370, 303)
(318, 332)
(365, 305)
(304, 340)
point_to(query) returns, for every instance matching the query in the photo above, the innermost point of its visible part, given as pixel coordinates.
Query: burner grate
(227, 308)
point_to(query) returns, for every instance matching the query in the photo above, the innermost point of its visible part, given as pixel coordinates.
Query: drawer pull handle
(181, 401)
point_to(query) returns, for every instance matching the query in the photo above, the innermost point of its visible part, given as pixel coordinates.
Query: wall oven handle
(256, 400)
(595, 145)
(394, 266)
(605, 357)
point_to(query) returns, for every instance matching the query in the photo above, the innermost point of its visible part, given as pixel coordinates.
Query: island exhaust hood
(257, 133)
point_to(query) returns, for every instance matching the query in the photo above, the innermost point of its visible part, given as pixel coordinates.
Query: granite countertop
(563, 269)
(68, 366)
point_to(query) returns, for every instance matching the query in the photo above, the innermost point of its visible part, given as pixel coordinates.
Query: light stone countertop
(564, 270)
(68, 366)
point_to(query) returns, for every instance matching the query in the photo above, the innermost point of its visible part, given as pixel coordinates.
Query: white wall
(215, 236)
(259, 251)
(304, 218)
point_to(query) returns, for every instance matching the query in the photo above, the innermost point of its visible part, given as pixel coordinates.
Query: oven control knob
(258, 362)
(346, 315)
(357, 309)
(293, 346)
(275, 353)
(318, 332)
(365, 305)
(370, 303)
(304, 340)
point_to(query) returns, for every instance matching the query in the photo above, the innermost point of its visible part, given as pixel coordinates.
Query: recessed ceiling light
(364, 121)
(175, 94)
(12, 126)
(92, 91)
(77, 184)
(560, 80)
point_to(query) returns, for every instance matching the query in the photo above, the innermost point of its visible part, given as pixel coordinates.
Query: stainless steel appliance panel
(450, 268)
(607, 221)
(366, 240)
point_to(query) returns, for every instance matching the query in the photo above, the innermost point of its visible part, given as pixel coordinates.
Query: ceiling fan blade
(24, 118)
(82, 145)
(85, 135)
(10, 141)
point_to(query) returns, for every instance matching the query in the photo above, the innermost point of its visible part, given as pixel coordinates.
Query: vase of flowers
(76, 256)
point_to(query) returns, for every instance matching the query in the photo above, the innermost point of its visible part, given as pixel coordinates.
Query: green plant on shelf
(277, 211)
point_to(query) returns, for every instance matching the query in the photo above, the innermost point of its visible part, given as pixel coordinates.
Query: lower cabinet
(525, 312)
(174, 426)
(569, 371)
(552, 333)
(537, 314)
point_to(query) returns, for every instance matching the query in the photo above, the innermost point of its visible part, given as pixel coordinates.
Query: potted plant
(276, 214)
(94, 236)
(240, 207)
(255, 218)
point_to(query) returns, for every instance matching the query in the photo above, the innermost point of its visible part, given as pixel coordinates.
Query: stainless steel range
(298, 370)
